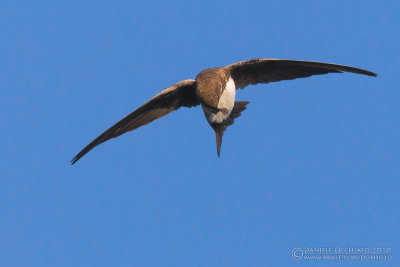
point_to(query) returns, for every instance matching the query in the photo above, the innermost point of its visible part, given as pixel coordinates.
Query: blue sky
(311, 163)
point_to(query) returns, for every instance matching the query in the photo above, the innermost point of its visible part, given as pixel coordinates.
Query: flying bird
(215, 89)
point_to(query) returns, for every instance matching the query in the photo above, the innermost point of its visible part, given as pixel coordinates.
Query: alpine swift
(214, 89)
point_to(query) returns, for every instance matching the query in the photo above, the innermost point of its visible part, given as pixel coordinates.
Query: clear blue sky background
(313, 162)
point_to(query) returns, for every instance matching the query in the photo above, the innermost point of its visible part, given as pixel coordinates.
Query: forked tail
(220, 128)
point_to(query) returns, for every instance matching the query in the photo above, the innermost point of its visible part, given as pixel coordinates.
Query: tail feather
(218, 136)
(237, 110)
(219, 129)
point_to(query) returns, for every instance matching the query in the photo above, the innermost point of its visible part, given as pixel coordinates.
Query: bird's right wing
(265, 70)
(182, 94)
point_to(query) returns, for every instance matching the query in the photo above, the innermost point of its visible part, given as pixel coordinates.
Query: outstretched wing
(265, 70)
(172, 98)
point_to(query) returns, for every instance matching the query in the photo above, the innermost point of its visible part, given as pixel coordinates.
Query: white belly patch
(226, 101)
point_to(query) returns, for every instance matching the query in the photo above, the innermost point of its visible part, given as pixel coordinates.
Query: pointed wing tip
(368, 73)
(78, 157)
(373, 74)
(74, 160)
(358, 71)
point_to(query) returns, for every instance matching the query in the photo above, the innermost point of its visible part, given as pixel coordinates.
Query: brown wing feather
(172, 98)
(266, 70)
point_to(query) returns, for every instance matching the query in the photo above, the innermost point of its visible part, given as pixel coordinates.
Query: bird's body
(215, 90)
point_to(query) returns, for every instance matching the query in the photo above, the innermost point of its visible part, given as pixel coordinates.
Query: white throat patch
(226, 101)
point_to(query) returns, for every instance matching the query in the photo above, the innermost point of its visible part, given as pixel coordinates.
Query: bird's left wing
(182, 94)
(265, 70)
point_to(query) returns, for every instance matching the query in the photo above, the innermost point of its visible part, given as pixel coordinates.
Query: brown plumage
(181, 94)
(215, 89)
(265, 70)
(210, 85)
